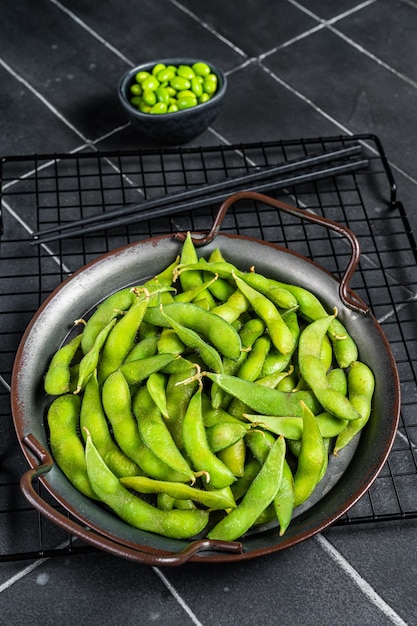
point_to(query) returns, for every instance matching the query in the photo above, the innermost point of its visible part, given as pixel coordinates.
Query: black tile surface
(295, 70)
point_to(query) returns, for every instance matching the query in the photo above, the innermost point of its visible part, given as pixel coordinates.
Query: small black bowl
(178, 127)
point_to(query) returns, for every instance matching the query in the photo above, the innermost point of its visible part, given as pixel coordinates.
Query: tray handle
(97, 540)
(202, 239)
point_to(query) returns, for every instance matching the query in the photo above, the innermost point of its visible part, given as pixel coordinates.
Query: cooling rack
(40, 191)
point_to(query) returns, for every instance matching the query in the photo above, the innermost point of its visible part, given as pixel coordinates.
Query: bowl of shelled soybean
(172, 100)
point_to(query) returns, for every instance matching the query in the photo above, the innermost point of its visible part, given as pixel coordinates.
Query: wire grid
(42, 190)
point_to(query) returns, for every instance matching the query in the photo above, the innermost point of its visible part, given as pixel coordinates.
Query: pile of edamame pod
(205, 401)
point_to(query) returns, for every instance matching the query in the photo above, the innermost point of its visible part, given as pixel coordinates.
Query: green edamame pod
(240, 487)
(193, 340)
(58, 376)
(93, 419)
(263, 399)
(155, 434)
(258, 497)
(361, 387)
(195, 293)
(292, 427)
(249, 333)
(216, 499)
(110, 308)
(280, 334)
(311, 458)
(281, 297)
(117, 404)
(179, 390)
(189, 256)
(220, 333)
(90, 360)
(197, 448)
(337, 379)
(67, 448)
(260, 444)
(284, 500)
(234, 457)
(220, 288)
(275, 361)
(313, 372)
(311, 309)
(232, 309)
(122, 338)
(156, 385)
(169, 342)
(251, 367)
(224, 434)
(138, 370)
(146, 347)
(178, 524)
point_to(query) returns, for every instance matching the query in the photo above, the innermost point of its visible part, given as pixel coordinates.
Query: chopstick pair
(194, 198)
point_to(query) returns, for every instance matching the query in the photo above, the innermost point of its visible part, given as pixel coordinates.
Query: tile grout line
(208, 27)
(177, 596)
(329, 25)
(92, 32)
(359, 581)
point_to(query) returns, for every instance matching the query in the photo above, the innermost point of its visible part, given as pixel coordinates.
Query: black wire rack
(40, 191)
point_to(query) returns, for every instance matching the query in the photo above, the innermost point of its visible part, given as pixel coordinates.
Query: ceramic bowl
(172, 128)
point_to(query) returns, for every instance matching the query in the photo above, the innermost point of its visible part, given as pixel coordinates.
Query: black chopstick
(210, 188)
(173, 209)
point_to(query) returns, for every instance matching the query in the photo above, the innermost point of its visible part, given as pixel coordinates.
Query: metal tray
(44, 189)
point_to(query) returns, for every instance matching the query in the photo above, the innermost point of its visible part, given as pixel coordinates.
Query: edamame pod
(220, 333)
(118, 406)
(311, 458)
(138, 370)
(361, 387)
(280, 334)
(93, 419)
(197, 448)
(110, 308)
(283, 502)
(155, 434)
(122, 337)
(90, 360)
(258, 497)
(314, 373)
(264, 399)
(58, 377)
(224, 434)
(67, 448)
(178, 524)
(216, 499)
